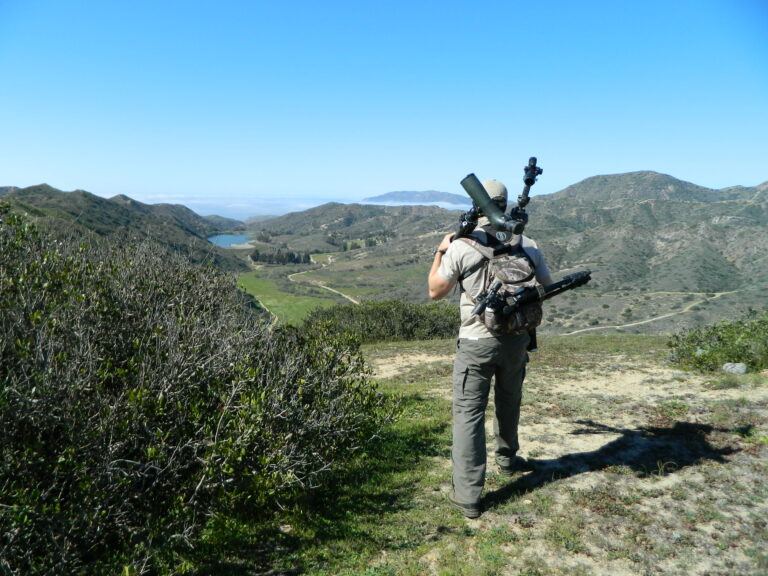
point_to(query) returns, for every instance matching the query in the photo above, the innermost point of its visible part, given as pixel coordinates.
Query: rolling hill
(665, 253)
(172, 225)
(657, 246)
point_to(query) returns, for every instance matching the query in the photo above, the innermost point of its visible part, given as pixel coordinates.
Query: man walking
(481, 355)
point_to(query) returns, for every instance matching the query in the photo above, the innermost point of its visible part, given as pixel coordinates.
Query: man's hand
(445, 243)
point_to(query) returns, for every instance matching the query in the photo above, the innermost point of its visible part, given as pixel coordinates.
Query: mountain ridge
(640, 232)
(646, 184)
(643, 234)
(172, 225)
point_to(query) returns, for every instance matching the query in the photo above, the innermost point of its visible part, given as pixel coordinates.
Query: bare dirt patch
(401, 363)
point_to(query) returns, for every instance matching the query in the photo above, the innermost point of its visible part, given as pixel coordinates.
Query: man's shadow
(648, 450)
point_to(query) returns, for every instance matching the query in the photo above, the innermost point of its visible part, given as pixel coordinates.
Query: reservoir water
(228, 240)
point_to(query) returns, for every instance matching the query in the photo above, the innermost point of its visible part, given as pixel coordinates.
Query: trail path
(655, 318)
(292, 278)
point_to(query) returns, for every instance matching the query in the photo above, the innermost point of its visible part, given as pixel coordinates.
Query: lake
(228, 240)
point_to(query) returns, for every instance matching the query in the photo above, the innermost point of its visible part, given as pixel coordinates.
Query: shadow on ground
(648, 450)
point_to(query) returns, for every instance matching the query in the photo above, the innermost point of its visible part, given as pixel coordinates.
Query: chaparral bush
(140, 394)
(388, 320)
(708, 348)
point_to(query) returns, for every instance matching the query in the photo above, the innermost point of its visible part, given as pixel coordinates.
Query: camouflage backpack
(505, 260)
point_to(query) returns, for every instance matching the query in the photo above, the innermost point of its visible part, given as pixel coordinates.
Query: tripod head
(531, 173)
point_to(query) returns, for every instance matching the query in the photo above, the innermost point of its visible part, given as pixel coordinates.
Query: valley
(639, 465)
(665, 254)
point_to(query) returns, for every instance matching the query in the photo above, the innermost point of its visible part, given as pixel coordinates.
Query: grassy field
(640, 469)
(288, 307)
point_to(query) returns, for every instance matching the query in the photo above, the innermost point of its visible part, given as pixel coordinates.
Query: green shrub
(708, 348)
(387, 320)
(140, 395)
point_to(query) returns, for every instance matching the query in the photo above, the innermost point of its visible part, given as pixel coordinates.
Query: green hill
(644, 235)
(330, 227)
(645, 185)
(172, 225)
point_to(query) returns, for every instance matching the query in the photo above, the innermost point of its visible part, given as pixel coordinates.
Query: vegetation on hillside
(174, 226)
(640, 233)
(142, 397)
(387, 320)
(279, 256)
(708, 348)
(335, 227)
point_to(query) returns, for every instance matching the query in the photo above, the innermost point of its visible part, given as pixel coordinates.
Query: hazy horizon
(241, 209)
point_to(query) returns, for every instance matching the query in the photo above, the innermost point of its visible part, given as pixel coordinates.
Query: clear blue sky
(266, 103)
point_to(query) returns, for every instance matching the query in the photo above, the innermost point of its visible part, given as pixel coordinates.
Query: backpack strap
(485, 251)
(481, 264)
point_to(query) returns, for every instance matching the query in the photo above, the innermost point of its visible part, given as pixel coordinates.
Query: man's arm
(439, 286)
(543, 275)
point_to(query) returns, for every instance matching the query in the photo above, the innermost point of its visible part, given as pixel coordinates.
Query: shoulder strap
(485, 251)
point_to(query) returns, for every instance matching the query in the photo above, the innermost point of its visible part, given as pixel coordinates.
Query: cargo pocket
(460, 375)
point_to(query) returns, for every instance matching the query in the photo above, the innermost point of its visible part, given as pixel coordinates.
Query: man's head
(498, 193)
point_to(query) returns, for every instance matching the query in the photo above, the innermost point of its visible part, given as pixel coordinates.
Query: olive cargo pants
(476, 362)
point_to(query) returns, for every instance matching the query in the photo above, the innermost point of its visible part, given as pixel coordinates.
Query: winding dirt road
(292, 278)
(649, 320)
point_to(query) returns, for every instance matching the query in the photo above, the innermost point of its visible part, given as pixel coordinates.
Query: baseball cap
(496, 190)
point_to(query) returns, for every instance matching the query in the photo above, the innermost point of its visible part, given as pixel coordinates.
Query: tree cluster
(280, 256)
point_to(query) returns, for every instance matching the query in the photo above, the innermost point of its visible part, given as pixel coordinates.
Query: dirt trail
(319, 284)
(649, 320)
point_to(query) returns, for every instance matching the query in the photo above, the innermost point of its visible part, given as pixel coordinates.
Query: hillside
(224, 224)
(328, 227)
(424, 197)
(659, 248)
(172, 225)
(647, 185)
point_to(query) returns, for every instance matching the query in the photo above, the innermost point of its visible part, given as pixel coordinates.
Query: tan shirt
(461, 257)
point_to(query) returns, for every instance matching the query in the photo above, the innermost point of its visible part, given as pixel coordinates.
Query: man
(480, 355)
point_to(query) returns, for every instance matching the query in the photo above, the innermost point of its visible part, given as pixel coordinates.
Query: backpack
(506, 261)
